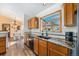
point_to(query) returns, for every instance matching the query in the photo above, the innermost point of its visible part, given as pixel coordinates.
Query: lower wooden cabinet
(2, 50)
(52, 52)
(2, 45)
(42, 48)
(36, 45)
(57, 50)
(46, 48)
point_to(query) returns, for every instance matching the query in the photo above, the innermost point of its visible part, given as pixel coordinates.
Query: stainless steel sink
(45, 37)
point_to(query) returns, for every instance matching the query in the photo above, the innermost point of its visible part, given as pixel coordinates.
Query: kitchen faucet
(46, 33)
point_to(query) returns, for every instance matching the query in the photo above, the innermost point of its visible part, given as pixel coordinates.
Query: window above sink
(52, 22)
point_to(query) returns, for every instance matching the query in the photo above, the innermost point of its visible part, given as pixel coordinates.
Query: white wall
(25, 23)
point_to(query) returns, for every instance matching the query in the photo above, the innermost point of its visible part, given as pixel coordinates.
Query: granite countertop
(3, 33)
(59, 41)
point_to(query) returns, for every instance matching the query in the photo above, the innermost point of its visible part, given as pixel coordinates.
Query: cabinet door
(42, 48)
(36, 45)
(69, 14)
(58, 50)
(36, 23)
(52, 52)
(32, 22)
(2, 45)
(2, 50)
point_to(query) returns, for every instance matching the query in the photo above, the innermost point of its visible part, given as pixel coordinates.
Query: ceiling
(19, 9)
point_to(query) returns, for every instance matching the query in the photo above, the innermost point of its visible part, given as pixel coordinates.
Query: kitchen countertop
(3, 33)
(59, 41)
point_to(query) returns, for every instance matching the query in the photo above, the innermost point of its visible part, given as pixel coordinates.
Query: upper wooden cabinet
(69, 12)
(33, 23)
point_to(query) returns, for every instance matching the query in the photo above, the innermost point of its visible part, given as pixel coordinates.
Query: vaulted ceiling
(19, 9)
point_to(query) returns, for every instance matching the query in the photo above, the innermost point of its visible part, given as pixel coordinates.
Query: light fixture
(44, 4)
(14, 23)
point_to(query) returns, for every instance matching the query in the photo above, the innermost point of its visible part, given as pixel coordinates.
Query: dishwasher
(31, 43)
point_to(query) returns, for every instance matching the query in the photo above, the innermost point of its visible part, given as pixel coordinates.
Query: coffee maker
(69, 36)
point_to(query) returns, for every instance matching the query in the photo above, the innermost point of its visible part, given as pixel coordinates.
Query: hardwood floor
(17, 48)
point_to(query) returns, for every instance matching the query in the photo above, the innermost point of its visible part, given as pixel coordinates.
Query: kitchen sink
(45, 37)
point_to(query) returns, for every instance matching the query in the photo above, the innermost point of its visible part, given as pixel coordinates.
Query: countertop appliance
(69, 36)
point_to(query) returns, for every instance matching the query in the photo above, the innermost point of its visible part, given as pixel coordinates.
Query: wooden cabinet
(2, 45)
(36, 45)
(42, 48)
(69, 14)
(57, 50)
(33, 23)
(52, 52)
(46, 48)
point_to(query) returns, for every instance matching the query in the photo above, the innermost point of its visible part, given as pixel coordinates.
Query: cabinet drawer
(2, 43)
(2, 49)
